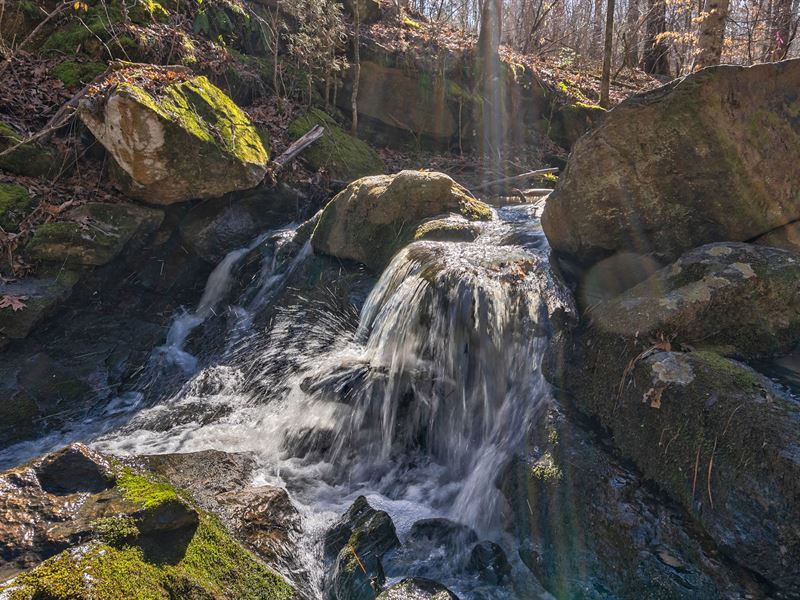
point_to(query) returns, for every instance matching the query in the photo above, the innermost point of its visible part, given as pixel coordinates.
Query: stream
(415, 396)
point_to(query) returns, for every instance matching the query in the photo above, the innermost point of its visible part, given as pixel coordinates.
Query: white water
(418, 405)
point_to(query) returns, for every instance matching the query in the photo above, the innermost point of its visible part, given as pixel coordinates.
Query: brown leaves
(15, 303)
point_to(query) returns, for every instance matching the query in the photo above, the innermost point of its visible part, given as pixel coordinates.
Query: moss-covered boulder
(75, 73)
(345, 157)
(92, 234)
(40, 297)
(15, 204)
(741, 300)
(187, 140)
(570, 121)
(32, 160)
(709, 157)
(454, 228)
(376, 216)
(117, 532)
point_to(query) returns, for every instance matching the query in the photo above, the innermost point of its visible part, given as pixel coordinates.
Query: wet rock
(93, 234)
(74, 469)
(358, 542)
(218, 226)
(417, 588)
(343, 156)
(589, 526)
(489, 561)
(717, 437)
(187, 141)
(786, 238)
(697, 172)
(41, 295)
(441, 532)
(738, 299)
(376, 216)
(449, 229)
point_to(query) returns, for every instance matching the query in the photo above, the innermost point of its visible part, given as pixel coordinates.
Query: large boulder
(741, 300)
(709, 157)
(186, 140)
(36, 299)
(786, 237)
(30, 159)
(376, 216)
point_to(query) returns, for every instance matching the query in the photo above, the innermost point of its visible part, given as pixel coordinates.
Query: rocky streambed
(412, 394)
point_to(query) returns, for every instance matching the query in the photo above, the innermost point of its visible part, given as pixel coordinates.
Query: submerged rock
(489, 561)
(417, 588)
(187, 141)
(93, 234)
(708, 157)
(376, 216)
(343, 156)
(358, 542)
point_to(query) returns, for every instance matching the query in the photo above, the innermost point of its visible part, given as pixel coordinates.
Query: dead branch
(297, 147)
(54, 13)
(516, 178)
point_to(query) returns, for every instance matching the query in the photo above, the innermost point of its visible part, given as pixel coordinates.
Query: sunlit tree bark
(711, 36)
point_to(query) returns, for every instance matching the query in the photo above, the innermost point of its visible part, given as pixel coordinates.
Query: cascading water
(418, 403)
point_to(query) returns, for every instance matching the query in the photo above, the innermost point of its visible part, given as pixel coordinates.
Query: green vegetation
(74, 73)
(31, 160)
(15, 205)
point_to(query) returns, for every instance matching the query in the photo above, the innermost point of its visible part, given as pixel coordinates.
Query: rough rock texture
(93, 234)
(41, 296)
(369, 11)
(111, 531)
(588, 525)
(356, 544)
(15, 205)
(448, 229)
(738, 299)
(417, 588)
(188, 141)
(343, 156)
(217, 226)
(786, 238)
(709, 157)
(376, 216)
(717, 437)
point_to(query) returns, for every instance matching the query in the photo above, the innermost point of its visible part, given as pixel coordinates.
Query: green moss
(74, 73)
(411, 23)
(545, 469)
(728, 370)
(207, 113)
(30, 160)
(146, 11)
(116, 531)
(15, 205)
(344, 156)
(210, 565)
(144, 491)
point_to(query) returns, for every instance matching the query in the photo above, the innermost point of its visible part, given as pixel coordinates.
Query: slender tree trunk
(632, 34)
(597, 28)
(489, 80)
(605, 81)
(656, 53)
(712, 34)
(356, 67)
(780, 31)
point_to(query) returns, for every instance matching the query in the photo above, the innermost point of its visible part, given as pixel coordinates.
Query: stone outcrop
(709, 157)
(187, 140)
(376, 216)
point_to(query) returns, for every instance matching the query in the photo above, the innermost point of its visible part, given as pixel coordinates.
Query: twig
(696, 466)
(360, 564)
(708, 478)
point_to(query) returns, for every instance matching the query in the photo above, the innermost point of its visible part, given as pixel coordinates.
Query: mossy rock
(74, 73)
(31, 160)
(189, 141)
(345, 157)
(376, 216)
(198, 560)
(447, 229)
(15, 205)
(93, 235)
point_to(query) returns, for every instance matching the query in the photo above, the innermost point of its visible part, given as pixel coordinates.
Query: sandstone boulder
(709, 157)
(376, 216)
(188, 140)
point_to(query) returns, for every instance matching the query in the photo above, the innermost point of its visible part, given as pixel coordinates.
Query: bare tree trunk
(489, 81)
(597, 28)
(632, 34)
(712, 33)
(780, 31)
(605, 81)
(356, 67)
(656, 54)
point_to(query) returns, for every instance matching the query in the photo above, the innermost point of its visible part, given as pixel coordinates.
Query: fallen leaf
(15, 303)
